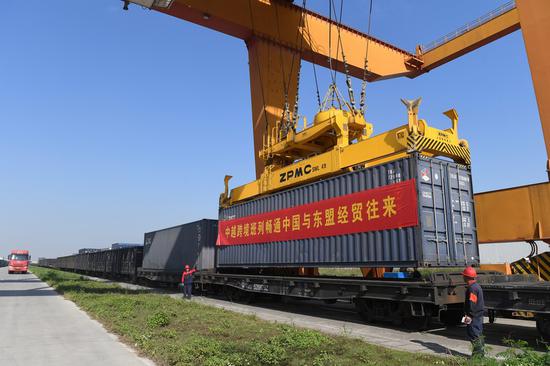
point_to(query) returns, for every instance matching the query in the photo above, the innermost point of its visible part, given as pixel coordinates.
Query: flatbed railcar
(415, 301)
(519, 294)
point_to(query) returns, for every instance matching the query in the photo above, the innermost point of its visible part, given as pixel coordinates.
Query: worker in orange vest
(187, 281)
(474, 305)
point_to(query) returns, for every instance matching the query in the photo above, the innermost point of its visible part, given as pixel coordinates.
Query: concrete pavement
(39, 327)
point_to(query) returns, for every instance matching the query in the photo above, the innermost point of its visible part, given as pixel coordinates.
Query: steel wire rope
(286, 110)
(364, 83)
(341, 45)
(296, 100)
(338, 21)
(286, 85)
(313, 65)
(259, 71)
(332, 70)
(330, 42)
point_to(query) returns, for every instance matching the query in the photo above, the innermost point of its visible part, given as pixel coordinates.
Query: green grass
(177, 332)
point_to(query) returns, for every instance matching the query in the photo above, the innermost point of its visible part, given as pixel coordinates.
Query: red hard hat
(186, 266)
(469, 272)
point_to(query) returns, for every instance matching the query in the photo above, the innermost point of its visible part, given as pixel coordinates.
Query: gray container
(124, 245)
(168, 250)
(89, 250)
(445, 236)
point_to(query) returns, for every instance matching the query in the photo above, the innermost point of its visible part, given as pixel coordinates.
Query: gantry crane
(279, 34)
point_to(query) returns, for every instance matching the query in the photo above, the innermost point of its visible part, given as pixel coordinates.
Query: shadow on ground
(21, 280)
(39, 291)
(495, 333)
(437, 348)
(74, 287)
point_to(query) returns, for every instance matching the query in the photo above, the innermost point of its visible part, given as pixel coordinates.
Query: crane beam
(279, 35)
(299, 30)
(533, 17)
(466, 40)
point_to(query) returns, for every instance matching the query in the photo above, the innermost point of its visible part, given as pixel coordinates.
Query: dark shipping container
(122, 262)
(445, 235)
(167, 251)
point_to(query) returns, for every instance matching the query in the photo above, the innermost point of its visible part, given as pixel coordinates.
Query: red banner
(388, 207)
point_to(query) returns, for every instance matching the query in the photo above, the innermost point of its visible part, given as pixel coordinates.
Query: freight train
(408, 213)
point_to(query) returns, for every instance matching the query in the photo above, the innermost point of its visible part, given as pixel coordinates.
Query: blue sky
(115, 123)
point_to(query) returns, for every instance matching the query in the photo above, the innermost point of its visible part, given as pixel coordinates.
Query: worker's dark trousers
(474, 330)
(187, 288)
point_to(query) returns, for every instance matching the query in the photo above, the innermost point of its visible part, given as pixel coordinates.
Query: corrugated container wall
(445, 235)
(170, 249)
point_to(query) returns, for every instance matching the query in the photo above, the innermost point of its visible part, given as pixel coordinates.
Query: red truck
(18, 261)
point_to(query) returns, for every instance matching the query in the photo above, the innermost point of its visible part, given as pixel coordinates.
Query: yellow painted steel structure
(534, 17)
(341, 140)
(520, 213)
(478, 36)
(279, 35)
(538, 265)
(515, 214)
(503, 268)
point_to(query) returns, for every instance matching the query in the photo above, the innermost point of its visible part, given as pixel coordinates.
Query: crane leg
(273, 79)
(534, 17)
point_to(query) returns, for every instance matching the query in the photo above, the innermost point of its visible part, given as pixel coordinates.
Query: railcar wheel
(229, 293)
(246, 297)
(236, 295)
(492, 316)
(418, 322)
(451, 318)
(364, 309)
(543, 326)
(397, 313)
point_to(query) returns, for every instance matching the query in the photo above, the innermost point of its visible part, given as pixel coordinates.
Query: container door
(446, 213)
(432, 190)
(207, 245)
(462, 215)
